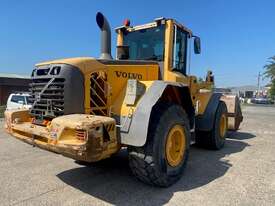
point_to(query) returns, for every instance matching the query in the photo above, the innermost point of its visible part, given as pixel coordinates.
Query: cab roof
(155, 23)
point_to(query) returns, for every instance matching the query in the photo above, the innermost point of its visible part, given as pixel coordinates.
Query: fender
(205, 122)
(135, 132)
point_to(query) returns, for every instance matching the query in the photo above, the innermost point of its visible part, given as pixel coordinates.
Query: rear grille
(99, 94)
(48, 103)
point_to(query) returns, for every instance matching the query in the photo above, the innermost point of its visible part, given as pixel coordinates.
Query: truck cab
(164, 41)
(18, 101)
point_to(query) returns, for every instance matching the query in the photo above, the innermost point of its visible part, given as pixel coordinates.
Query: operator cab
(149, 41)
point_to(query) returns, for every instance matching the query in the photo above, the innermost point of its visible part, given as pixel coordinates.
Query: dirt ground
(243, 173)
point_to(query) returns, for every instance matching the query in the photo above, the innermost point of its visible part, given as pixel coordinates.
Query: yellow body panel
(168, 52)
(116, 78)
(203, 99)
(144, 73)
(121, 108)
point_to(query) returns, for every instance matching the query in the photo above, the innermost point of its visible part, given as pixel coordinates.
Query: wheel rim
(175, 145)
(223, 125)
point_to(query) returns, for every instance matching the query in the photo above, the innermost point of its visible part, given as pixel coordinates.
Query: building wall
(11, 85)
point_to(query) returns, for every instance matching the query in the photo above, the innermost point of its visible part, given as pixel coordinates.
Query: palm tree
(270, 74)
(270, 69)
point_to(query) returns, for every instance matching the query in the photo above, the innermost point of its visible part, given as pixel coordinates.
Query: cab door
(179, 63)
(176, 54)
(181, 40)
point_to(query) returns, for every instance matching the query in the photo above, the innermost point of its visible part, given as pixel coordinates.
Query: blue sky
(237, 35)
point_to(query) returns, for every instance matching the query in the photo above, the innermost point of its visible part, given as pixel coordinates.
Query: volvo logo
(128, 75)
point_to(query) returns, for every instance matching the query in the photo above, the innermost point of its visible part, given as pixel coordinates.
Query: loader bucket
(235, 116)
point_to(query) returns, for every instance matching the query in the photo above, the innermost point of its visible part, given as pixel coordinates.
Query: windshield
(146, 44)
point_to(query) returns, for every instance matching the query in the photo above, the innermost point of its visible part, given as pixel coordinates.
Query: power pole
(258, 84)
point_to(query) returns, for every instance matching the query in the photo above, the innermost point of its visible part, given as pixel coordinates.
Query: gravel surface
(243, 173)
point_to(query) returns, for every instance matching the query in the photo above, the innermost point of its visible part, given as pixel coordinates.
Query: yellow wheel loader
(88, 109)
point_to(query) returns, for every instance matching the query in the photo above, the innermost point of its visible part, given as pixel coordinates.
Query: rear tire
(161, 161)
(215, 139)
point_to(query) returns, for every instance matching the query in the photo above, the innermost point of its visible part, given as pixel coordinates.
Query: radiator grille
(48, 103)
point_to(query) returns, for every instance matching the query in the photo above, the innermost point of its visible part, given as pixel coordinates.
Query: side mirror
(197, 45)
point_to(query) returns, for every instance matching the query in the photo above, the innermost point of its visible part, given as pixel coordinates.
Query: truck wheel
(161, 161)
(215, 139)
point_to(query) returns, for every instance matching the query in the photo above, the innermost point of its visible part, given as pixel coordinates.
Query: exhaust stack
(104, 26)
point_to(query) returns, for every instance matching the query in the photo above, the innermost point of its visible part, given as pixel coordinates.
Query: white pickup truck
(18, 101)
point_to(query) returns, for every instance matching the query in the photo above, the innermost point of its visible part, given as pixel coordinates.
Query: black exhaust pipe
(105, 36)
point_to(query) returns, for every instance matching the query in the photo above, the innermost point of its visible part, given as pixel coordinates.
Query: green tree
(272, 89)
(270, 74)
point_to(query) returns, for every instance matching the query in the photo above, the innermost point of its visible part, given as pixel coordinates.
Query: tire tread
(141, 159)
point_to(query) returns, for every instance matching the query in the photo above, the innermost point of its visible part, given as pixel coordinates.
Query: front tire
(215, 139)
(161, 161)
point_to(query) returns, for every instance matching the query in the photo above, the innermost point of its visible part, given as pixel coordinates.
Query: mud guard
(135, 132)
(205, 122)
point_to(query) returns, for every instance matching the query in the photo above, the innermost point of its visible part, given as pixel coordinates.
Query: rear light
(126, 22)
(45, 122)
(81, 135)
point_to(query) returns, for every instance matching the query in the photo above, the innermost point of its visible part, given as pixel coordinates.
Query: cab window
(18, 99)
(179, 50)
(146, 44)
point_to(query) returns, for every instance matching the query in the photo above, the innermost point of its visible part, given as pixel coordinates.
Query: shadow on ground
(240, 135)
(111, 180)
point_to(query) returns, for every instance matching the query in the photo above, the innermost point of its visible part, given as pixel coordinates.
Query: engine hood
(85, 64)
